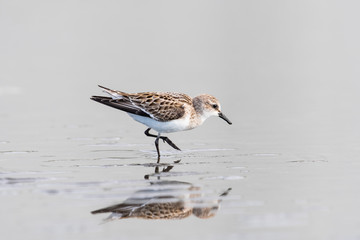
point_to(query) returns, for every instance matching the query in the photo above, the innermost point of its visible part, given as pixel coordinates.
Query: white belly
(164, 127)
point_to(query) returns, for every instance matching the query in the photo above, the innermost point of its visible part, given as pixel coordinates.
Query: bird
(164, 112)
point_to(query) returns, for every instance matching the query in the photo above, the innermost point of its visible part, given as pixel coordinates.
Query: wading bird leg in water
(165, 139)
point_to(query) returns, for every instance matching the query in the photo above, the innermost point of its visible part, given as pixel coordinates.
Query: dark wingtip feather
(98, 211)
(100, 98)
(94, 98)
(119, 104)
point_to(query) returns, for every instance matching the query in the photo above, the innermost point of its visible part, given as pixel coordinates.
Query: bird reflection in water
(165, 200)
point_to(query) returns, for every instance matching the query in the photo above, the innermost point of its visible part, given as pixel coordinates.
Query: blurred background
(286, 72)
(268, 61)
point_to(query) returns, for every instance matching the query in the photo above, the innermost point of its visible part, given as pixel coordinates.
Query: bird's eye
(215, 106)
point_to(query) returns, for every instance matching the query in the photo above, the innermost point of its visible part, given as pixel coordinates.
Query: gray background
(278, 57)
(286, 72)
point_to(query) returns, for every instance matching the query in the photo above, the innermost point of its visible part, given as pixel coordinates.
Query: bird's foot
(166, 139)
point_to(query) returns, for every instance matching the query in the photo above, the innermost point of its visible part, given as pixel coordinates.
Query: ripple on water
(233, 177)
(13, 184)
(18, 152)
(266, 154)
(19, 180)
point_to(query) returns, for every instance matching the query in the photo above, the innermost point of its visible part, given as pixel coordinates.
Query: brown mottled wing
(162, 106)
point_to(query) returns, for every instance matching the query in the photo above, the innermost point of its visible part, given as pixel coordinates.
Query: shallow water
(285, 72)
(59, 171)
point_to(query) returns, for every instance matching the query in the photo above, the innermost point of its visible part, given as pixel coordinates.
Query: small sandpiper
(165, 112)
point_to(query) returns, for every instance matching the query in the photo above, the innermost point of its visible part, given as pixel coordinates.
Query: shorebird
(165, 112)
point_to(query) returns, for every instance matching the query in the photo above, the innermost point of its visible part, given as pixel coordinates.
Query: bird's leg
(157, 147)
(156, 141)
(165, 139)
(149, 134)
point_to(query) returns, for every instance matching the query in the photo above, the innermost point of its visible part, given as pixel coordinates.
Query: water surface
(285, 72)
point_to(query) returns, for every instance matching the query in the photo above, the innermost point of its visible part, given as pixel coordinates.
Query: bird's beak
(221, 115)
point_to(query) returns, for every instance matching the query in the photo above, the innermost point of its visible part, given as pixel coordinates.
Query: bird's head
(208, 106)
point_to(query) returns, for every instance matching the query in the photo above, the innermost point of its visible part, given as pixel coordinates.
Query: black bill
(221, 115)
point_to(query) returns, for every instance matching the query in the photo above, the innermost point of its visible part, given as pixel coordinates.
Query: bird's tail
(114, 94)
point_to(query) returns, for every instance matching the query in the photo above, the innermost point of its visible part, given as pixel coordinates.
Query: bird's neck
(198, 106)
(199, 111)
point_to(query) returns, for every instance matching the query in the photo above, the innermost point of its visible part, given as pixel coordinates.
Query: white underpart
(164, 127)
